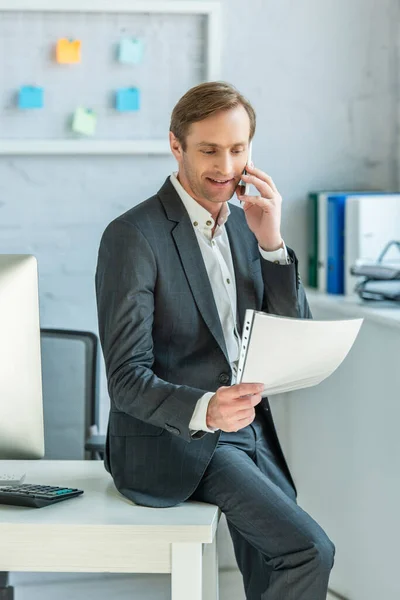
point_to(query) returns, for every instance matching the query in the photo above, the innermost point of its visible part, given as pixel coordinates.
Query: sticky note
(130, 51)
(30, 97)
(127, 99)
(84, 121)
(68, 52)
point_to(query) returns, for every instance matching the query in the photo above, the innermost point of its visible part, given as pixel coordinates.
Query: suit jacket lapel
(192, 261)
(249, 295)
(242, 264)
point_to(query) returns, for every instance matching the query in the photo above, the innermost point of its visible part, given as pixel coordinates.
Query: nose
(225, 164)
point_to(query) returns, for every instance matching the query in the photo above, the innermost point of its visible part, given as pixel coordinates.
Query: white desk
(101, 531)
(349, 307)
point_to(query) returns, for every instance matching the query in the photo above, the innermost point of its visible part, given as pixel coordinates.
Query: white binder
(371, 222)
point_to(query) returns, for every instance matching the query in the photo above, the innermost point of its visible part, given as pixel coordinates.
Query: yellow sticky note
(84, 121)
(68, 51)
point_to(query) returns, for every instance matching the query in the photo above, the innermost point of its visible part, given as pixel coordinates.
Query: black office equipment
(381, 279)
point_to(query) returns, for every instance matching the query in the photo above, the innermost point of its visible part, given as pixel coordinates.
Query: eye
(237, 151)
(208, 151)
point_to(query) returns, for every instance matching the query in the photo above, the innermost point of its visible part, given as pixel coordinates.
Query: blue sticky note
(127, 99)
(130, 51)
(30, 97)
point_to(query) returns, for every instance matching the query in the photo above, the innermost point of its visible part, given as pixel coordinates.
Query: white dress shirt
(217, 258)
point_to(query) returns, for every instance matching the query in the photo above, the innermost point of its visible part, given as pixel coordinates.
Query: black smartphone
(242, 183)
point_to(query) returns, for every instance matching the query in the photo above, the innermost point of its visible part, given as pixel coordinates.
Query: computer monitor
(21, 405)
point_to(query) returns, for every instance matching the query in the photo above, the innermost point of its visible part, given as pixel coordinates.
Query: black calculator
(36, 496)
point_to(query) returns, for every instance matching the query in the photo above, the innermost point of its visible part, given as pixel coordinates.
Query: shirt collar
(200, 217)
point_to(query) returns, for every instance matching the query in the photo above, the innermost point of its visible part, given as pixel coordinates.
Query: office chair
(70, 394)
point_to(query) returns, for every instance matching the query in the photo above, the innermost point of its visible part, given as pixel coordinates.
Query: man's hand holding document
(289, 354)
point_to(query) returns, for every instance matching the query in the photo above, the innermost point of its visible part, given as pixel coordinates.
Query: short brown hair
(202, 101)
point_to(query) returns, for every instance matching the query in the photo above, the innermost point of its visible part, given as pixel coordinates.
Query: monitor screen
(21, 405)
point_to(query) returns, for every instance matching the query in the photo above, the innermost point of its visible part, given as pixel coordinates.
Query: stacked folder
(346, 227)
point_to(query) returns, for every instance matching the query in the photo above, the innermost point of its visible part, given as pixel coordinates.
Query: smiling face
(215, 155)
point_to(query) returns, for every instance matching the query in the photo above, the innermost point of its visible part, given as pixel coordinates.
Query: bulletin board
(181, 48)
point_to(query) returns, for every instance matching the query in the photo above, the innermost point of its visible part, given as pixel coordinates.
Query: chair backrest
(70, 391)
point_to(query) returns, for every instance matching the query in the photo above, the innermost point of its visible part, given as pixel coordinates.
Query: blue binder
(335, 270)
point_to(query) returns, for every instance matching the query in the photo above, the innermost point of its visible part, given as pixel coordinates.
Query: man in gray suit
(175, 275)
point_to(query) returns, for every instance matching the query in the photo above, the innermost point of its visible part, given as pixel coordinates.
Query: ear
(175, 146)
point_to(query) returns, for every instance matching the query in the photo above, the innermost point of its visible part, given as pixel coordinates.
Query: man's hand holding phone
(232, 408)
(263, 212)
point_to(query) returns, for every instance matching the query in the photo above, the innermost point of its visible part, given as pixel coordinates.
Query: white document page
(288, 354)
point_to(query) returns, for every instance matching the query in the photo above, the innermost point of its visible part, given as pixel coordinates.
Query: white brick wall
(323, 79)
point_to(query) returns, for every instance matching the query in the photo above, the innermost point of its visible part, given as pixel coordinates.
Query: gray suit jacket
(163, 342)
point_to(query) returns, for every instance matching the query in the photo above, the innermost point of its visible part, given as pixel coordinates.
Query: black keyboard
(36, 496)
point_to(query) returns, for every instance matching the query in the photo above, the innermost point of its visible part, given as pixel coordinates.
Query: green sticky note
(84, 121)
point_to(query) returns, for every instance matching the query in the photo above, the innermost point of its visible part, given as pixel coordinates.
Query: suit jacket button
(172, 429)
(224, 378)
